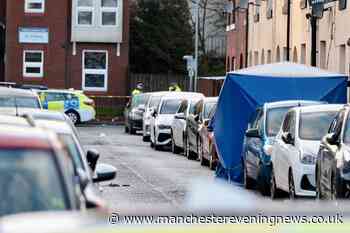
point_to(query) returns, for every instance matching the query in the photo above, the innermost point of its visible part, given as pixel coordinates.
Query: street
(146, 178)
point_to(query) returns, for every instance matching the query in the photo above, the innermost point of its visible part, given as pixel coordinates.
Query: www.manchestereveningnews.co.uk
(214, 219)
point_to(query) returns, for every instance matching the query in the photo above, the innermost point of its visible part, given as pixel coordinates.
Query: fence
(157, 82)
(110, 107)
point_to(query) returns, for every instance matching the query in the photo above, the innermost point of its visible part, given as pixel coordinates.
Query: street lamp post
(196, 46)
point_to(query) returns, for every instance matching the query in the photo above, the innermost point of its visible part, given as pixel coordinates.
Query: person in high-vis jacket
(138, 90)
(174, 87)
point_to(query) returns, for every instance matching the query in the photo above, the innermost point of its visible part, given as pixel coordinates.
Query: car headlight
(268, 149)
(164, 127)
(307, 159)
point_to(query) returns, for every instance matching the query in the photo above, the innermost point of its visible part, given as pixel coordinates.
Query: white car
(151, 105)
(296, 147)
(178, 126)
(162, 118)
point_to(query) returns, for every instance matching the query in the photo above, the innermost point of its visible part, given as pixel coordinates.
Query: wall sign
(33, 35)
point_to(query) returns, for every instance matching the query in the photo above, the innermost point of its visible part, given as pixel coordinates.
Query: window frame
(35, 11)
(94, 71)
(109, 10)
(85, 9)
(33, 65)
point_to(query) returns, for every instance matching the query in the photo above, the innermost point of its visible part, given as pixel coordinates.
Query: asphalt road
(146, 178)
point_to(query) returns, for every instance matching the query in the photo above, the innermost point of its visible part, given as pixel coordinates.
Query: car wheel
(145, 138)
(73, 116)
(202, 160)
(189, 153)
(175, 149)
(318, 185)
(132, 130)
(263, 184)
(212, 163)
(337, 187)
(275, 193)
(247, 181)
(126, 129)
(291, 185)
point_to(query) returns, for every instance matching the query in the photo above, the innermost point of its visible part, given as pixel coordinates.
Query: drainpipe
(247, 36)
(313, 22)
(288, 28)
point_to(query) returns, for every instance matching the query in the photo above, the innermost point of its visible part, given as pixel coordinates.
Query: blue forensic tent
(246, 89)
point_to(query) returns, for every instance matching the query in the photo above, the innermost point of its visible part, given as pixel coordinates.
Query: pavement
(146, 179)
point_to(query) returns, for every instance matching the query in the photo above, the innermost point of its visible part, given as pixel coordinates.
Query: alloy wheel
(292, 195)
(73, 117)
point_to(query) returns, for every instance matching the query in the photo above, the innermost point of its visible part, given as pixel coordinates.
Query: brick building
(81, 44)
(236, 36)
(2, 39)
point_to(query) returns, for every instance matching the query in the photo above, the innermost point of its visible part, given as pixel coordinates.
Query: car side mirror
(128, 104)
(105, 172)
(253, 133)
(180, 116)
(142, 108)
(196, 117)
(206, 123)
(287, 138)
(92, 157)
(154, 113)
(331, 139)
(83, 179)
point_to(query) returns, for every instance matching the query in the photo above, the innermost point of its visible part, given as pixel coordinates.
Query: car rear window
(29, 181)
(315, 125)
(170, 106)
(139, 100)
(27, 102)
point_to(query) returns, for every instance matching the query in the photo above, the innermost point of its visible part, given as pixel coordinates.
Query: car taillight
(90, 102)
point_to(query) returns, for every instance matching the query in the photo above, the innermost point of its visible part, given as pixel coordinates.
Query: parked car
(333, 161)
(207, 151)
(295, 150)
(162, 118)
(75, 104)
(179, 124)
(133, 113)
(263, 127)
(35, 172)
(15, 101)
(85, 165)
(195, 121)
(152, 104)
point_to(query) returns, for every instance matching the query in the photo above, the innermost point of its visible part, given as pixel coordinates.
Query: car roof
(183, 95)
(292, 103)
(24, 137)
(47, 115)
(319, 108)
(5, 91)
(211, 99)
(62, 91)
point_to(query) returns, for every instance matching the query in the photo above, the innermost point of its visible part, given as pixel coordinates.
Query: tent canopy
(247, 89)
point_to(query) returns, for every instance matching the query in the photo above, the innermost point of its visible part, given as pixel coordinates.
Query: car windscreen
(208, 108)
(29, 181)
(139, 100)
(72, 149)
(274, 120)
(315, 125)
(154, 102)
(170, 106)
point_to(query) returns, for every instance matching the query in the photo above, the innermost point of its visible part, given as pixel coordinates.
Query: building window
(269, 11)
(323, 54)
(34, 6)
(109, 11)
(33, 64)
(85, 14)
(257, 10)
(95, 70)
(342, 4)
(342, 57)
(303, 54)
(233, 64)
